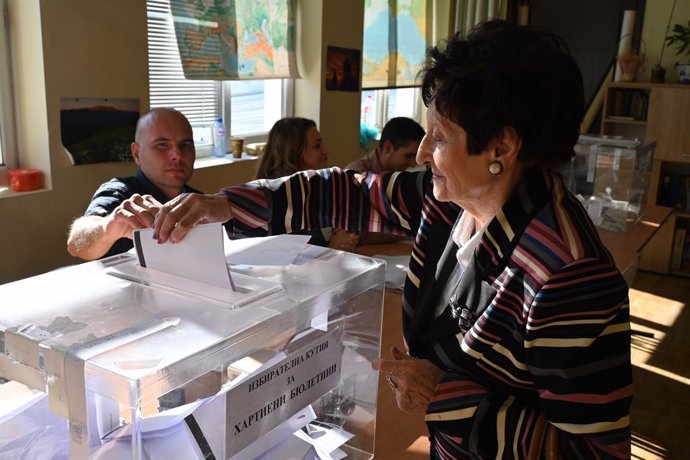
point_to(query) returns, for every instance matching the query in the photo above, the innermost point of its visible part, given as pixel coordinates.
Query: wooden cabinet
(661, 113)
(669, 120)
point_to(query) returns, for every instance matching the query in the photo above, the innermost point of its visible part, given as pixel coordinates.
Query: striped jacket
(545, 370)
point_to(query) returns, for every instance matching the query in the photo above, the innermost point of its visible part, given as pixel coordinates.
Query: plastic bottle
(219, 138)
(367, 124)
(368, 115)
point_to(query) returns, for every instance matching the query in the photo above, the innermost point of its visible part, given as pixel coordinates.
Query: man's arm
(91, 237)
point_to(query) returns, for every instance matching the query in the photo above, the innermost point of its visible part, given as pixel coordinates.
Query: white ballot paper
(200, 256)
(277, 250)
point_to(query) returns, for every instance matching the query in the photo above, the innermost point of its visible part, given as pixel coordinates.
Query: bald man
(164, 152)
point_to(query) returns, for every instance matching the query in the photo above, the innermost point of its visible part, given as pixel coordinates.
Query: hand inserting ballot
(178, 215)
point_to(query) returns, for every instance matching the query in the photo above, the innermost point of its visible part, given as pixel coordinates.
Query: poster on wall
(98, 130)
(342, 69)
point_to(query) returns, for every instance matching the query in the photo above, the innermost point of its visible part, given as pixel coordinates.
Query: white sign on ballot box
(294, 382)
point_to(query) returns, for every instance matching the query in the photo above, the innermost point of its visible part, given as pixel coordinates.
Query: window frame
(8, 144)
(382, 99)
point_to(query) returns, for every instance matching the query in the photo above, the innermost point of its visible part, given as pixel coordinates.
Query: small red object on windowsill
(26, 180)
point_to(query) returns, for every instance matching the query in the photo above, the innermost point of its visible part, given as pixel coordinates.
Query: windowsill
(7, 192)
(200, 163)
(210, 162)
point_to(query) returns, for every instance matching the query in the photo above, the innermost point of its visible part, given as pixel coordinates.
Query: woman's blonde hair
(284, 148)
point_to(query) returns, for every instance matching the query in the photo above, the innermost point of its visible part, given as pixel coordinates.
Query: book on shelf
(610, 140)
(678, 248)
(685, 260)
(674, 191)
(629, 104)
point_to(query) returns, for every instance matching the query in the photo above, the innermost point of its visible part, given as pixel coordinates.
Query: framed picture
(98, 130)
(343, 69)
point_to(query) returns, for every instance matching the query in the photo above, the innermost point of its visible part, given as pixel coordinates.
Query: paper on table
(292, 448)
(158, 424)
(396, 270)
(14, 398)
(258, 449)
(326, 441)
(199, 256)
(278, 250)
(176, 442)
(31, 430)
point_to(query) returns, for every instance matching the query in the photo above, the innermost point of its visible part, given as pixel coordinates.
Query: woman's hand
(413, 380)
(178, 215)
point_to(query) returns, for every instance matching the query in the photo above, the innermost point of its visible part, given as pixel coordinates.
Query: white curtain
(468, 13)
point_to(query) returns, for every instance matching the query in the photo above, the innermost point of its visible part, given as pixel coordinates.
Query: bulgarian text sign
(262, 402)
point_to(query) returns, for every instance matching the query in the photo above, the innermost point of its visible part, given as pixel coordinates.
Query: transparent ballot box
(611, 176)
(139, 369)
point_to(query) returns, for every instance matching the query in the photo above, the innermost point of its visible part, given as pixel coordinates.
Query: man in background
(397, 148)
(397, 151)
(164, 152)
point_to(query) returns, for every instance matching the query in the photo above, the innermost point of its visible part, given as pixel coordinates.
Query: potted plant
(679, 37)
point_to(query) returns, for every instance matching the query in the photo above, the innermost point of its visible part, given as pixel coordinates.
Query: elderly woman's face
(315, 154)
(458, 176)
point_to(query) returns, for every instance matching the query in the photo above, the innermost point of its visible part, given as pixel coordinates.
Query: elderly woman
(515, 317)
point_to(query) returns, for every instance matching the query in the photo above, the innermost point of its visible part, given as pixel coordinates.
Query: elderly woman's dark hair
(502, 75)
(284, 148)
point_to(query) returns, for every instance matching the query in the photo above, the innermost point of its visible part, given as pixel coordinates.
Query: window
(243, 104)
(395, 102)
(7, 133)
(394, 44)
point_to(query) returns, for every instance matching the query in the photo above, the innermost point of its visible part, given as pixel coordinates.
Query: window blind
(199, 100)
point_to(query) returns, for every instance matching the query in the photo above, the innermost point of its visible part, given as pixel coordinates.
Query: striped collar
(504, 231)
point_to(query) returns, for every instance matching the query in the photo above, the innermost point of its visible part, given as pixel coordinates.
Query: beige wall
(97, 48)
(654, 30)
(320, 24)
(65, 48)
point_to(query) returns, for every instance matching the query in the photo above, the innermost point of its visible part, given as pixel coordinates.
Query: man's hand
(91, 237)
(136, 212)
(413, 380)
(177, 216)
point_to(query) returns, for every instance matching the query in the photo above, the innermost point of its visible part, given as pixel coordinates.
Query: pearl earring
(495, 168)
